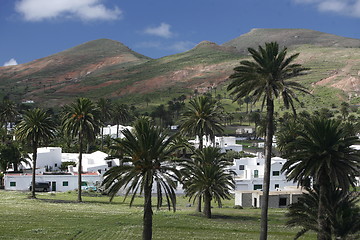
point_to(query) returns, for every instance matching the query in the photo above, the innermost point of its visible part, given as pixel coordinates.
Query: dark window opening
(282, 202)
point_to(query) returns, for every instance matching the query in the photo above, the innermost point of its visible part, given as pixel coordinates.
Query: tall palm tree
(202, 118)
(36, 127)
(104, 106)
(81, 120)
(207, 175)
(147, 161)
(322, 151)
(266, 78)
(120, 114)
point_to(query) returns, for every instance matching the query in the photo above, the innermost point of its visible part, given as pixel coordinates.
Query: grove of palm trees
(155, 160)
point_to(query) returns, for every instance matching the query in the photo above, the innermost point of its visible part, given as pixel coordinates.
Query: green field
(58, 216)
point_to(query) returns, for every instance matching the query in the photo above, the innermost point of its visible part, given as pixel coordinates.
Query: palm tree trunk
(117, 130)
(324, 232)
(207, 204)
(34, 170)
(199, 204)
(80, 168)
(267, 168)
(147, 224)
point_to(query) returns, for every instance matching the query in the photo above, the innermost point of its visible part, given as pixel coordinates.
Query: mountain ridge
(108, 68)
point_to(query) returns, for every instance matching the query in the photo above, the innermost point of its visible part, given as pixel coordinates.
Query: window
(55, 164)
(84, 184)
(65, 183)
(276, 173)
(12, 184)
(109, 163)
(257, 186)
(242, 167)
(276, 186)
(256, 173)
(282, 201)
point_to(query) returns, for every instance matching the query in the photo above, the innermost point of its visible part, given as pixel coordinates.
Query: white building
(277, 199)
(111, 130)
(249, 183)
(58, 182)
(245, 130)
(224, 143)
(250, 174)
(49, 160)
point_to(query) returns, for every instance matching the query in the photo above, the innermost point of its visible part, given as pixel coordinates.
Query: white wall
(23, 181)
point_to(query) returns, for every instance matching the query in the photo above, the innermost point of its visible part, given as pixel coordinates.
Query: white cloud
(11, 62)
(343, 7)
(161, 31)
(86, 10)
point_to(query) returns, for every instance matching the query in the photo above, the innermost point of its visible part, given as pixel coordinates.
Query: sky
(32, 29)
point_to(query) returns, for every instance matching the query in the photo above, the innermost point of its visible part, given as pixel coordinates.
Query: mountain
(290, 38)
(39, 78)
(106, 68)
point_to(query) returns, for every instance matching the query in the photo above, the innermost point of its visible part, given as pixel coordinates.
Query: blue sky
(32, 29)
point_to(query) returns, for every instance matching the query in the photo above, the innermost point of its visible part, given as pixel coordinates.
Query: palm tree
(207, 175)
(35, 128)
(120, 114)
(267, 78)
(147, 161)
(12, 153)
(201, 118)
(342, 213)
(104, 106)
(82, 121)
(322, 151)
(8, 113)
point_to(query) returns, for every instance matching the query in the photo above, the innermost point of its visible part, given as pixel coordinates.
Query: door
(53, 186)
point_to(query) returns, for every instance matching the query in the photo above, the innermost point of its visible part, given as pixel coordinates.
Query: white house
(91, 162)
(58, 182)
(249, 183)
(224, 143)
(111, 130)
(250, 173)
(49, 160)
(277, 199)
(245, 130)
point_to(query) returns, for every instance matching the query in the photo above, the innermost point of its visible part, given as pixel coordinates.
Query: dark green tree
(202, 118)
(322, 151)
(264, 79)
(120, 114)
(207, 176)
(81, 121)
(13, 154)
(147, 162)
(342, 214)
(105, 108)
(35, 128)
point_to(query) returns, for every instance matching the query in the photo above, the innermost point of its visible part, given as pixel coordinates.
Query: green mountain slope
(290, 38)
(106, 68)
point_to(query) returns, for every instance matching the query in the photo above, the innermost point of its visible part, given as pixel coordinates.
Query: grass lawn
(58, 216)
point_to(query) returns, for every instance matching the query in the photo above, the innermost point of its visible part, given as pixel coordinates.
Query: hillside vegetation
(106, 68)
